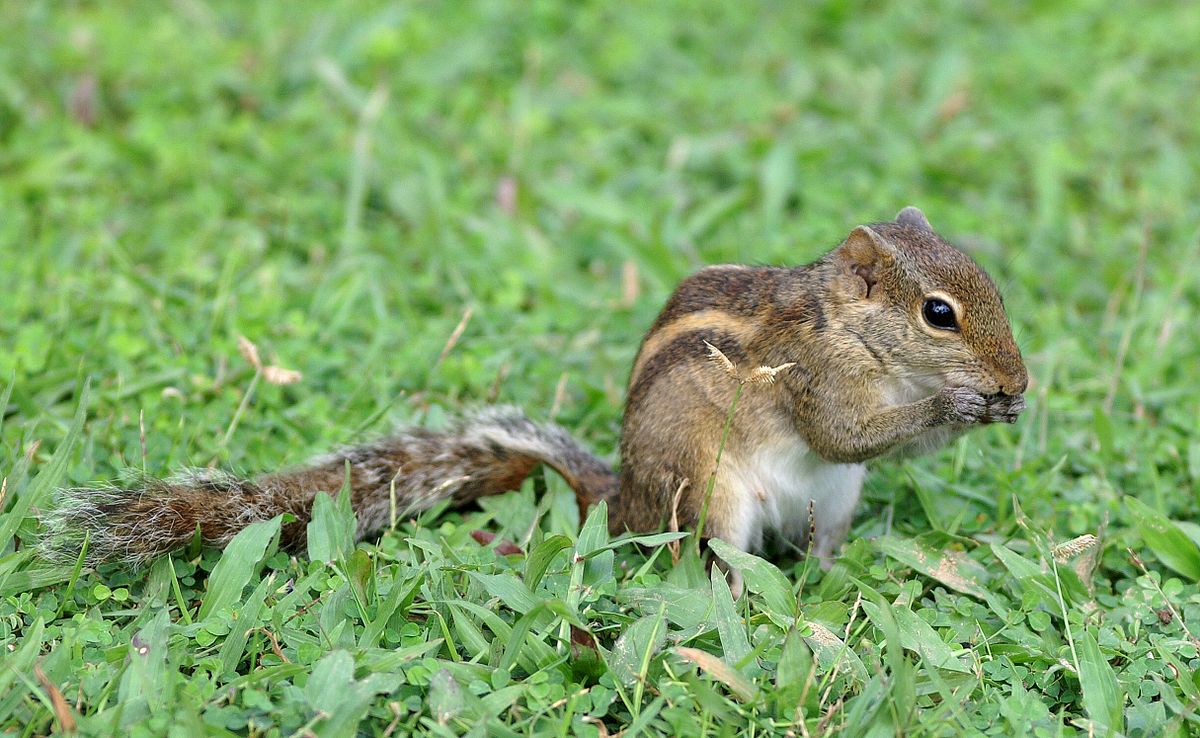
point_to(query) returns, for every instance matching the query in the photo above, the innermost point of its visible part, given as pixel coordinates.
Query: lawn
(424, 207)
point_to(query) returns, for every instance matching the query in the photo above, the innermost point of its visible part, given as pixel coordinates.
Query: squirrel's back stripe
(738, 327)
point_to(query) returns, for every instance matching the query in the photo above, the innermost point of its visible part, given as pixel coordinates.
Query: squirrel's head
(925, 309)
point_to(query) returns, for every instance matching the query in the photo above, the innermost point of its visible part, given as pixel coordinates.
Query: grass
(347, 188)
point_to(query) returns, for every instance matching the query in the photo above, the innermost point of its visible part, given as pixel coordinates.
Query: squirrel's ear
(861, 257)
(913, 218)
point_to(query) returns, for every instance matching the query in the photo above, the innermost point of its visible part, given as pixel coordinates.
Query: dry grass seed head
(276, 375)
(249, 352)
(1068, 550)
(758, 375)
(280, 376)
(722, 361)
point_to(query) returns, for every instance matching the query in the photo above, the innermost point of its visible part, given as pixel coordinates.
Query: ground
(423, 207)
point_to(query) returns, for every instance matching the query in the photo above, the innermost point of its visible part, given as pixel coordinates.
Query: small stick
(560, 392)
(454, 336)
(142, 435)
(237, 416)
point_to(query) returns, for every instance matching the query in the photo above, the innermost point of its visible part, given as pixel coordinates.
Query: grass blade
(730, 627)
(331, 530)
(20, 662)
(247, 619)
(238, 564)
(831, 652)
(762, 578)
(718, 669)
(49, 478)
(955, 570)
(1103, 699)
(509, 589)
(541, 556)
(1168, 542)
(631, 654)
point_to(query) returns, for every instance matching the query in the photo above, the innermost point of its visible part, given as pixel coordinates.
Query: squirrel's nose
(1014, 383)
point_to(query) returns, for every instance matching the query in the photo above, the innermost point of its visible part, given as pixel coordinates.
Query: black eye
(939, 314)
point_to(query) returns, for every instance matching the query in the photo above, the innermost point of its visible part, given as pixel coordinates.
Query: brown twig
(455, 334)
(62, 711)
(274, 642)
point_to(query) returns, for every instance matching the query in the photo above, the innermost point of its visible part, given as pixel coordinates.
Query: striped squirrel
(893, 343)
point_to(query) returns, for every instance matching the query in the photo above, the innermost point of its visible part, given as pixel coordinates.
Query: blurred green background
(343, 182)
(340, 183)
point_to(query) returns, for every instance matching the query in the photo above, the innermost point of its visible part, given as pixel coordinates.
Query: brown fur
(849, 323)
(866, 377)
(487, 453)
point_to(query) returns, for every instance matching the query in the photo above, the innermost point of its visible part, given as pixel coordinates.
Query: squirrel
(893, 343)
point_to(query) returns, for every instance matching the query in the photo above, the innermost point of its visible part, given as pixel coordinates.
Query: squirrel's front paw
(964, 405)
(1003, 408)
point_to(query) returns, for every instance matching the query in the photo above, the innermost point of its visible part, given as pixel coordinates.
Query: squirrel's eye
(939, 314)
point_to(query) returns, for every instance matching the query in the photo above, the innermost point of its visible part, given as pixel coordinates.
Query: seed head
(758, 375)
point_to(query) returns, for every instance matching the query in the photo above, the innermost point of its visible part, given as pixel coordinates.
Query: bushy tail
(486, 453)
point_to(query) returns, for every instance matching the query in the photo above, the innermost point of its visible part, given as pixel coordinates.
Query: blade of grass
(49, 478)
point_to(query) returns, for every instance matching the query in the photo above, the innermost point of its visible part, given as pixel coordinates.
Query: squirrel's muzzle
(1014, 383)
(1011, 375)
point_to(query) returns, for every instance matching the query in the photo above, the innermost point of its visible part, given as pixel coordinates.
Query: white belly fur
(776, 484)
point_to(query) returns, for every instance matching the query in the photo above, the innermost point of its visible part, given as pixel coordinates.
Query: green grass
(326, 183)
